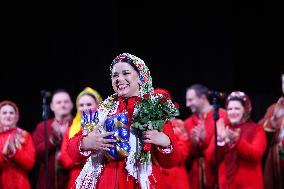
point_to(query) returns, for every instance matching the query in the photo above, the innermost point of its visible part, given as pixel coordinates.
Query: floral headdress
(109, 105)
(143, 71)
(241, 96)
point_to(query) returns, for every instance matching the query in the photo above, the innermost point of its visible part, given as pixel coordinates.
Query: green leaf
(135, 125)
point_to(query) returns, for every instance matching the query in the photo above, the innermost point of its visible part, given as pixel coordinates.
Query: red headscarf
(247, 130)
(10, 103)
(166, 94)
(163, 92)
(7, 102)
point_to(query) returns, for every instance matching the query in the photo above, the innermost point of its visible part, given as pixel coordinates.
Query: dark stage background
(62, 44)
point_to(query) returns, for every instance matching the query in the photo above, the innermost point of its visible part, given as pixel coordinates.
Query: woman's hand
(157, 138)
(19, 139)
(278, 113)
(279, 108)
(233, 136)
(221, 129)
(5, 148)
(95, 141)
(221, 132)
(9, 147)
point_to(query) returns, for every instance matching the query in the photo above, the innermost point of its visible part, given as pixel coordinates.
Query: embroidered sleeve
(166, 150)
(83, 152)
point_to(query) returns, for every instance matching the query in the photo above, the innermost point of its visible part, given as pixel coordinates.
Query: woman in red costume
(114, 156)
(87, 99)
(273, 123)
(177, 176)
(241, 145)
(17, 149)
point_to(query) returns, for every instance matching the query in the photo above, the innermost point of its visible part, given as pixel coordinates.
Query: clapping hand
(13, 143)
(279, 108)
(197, 135)
(278, 113)
(233, 135)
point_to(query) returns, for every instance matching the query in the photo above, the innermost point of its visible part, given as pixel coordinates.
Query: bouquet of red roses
(152, 112)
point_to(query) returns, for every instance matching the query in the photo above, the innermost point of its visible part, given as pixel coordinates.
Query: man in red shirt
(61, 105)
(200, 127)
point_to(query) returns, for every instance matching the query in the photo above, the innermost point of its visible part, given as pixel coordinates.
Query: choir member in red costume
(177, 176)
(119, 154)
(200, 127)
(87, 99)
(273, 123)
(241, 145)
(61, 105)
(17, 149)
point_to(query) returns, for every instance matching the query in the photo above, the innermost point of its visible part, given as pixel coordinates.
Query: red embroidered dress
(15, 166)
(127, 172)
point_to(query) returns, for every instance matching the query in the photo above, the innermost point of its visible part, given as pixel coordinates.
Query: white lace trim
(142, 171)
(92, 169)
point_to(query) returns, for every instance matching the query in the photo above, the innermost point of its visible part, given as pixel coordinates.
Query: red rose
(147, 96)
(163, 100)
(147, 147)
(139, 99)
(145, 79)
(176, 105)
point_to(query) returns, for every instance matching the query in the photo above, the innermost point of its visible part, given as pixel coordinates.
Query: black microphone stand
(216, 117)
(44, 117)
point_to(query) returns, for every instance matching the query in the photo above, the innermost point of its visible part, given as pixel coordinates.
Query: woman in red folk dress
(119, 155)
(87, 99)
(273, 124)
(177, 176)
(17, 149)
(241, 145)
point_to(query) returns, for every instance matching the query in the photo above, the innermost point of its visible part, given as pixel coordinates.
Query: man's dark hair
(60, 91)
(199, 89)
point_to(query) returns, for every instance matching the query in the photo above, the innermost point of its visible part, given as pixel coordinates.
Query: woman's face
(85, 103)
(235, 111)
(8, 116)
(125, 80)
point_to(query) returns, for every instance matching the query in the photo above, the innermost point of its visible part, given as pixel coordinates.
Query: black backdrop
(63, 44)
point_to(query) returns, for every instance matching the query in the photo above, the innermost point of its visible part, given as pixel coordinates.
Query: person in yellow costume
(86, 100)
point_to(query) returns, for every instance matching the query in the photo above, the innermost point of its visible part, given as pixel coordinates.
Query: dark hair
(124, 59)
(235, 98)
(199, 90)
(60, 91)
